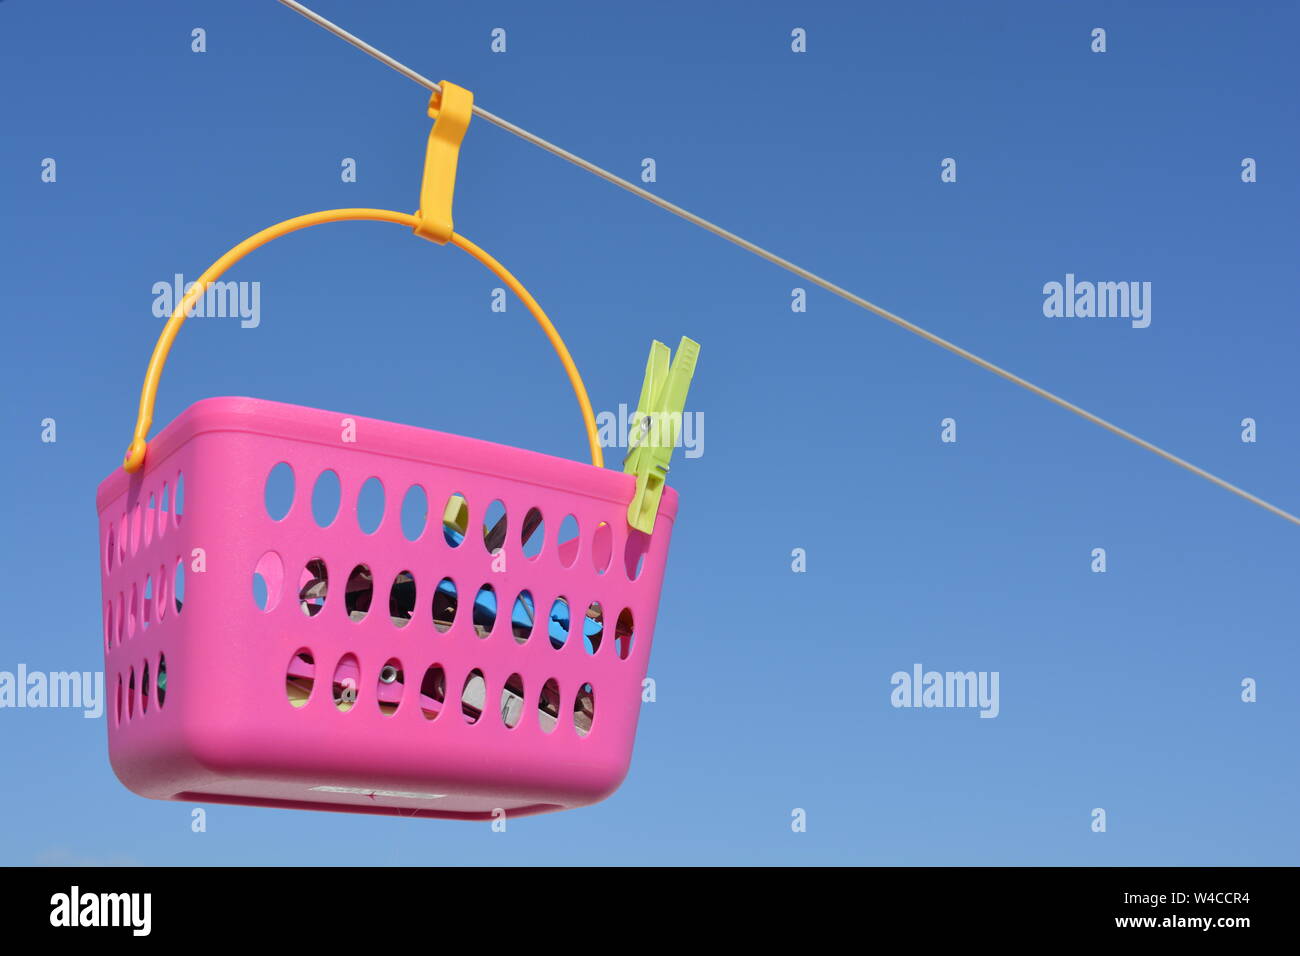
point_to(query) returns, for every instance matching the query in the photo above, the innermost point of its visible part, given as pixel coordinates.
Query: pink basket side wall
(226, 730)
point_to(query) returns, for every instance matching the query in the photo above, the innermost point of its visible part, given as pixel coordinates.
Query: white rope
(790, 266)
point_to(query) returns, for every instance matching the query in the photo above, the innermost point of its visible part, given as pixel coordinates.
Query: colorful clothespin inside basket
(451, 107)
(656, 427)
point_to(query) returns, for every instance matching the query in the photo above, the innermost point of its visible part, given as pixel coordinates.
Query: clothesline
(792, 267)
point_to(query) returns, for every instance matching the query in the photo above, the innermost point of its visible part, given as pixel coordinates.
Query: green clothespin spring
(656, 426)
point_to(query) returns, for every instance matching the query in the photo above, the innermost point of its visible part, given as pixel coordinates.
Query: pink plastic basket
(326, 699)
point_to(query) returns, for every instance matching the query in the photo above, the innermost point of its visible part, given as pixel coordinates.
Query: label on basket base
(363, 792)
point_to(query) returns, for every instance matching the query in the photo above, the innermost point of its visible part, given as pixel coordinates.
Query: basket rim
(302, 423)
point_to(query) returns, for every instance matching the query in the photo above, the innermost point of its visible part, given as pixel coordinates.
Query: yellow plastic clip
(451, 108)
(456, 515)
(656, 427)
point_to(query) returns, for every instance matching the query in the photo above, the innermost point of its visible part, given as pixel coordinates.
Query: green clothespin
(655, 427)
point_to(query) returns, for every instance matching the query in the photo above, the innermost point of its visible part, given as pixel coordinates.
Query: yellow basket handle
(451, 107)
(134, 459)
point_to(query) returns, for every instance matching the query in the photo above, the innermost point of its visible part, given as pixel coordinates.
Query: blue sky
(1118, 690)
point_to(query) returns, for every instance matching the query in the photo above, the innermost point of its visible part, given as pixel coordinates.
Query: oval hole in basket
(473, 696)
(593, 627)
(268, 580)
(638, 543)
(370, 506)
(401, 599)
(163, 598)
(557, 626)
(532, 534)
(110, 545)
(178, 499)
(118, 705)
(392, 682)
(512, 700)
(455, 520)
(359, 593)
(146, 604)
(130, 695)
(178, 585)
(133, 611)
(568, 542)
(278, 494)
(584, 710)
(522, 617)
(485, 610)
(144, 689)
(300, 678)
(444, 605)
(602, 547)
(346, 683)
(163, 512)
(548, 705)
(433, 692)
(415, 512)
(495, 524)
(623, 633)
(313, 587)
(162, 679)
(108, 626)
(326, 495)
